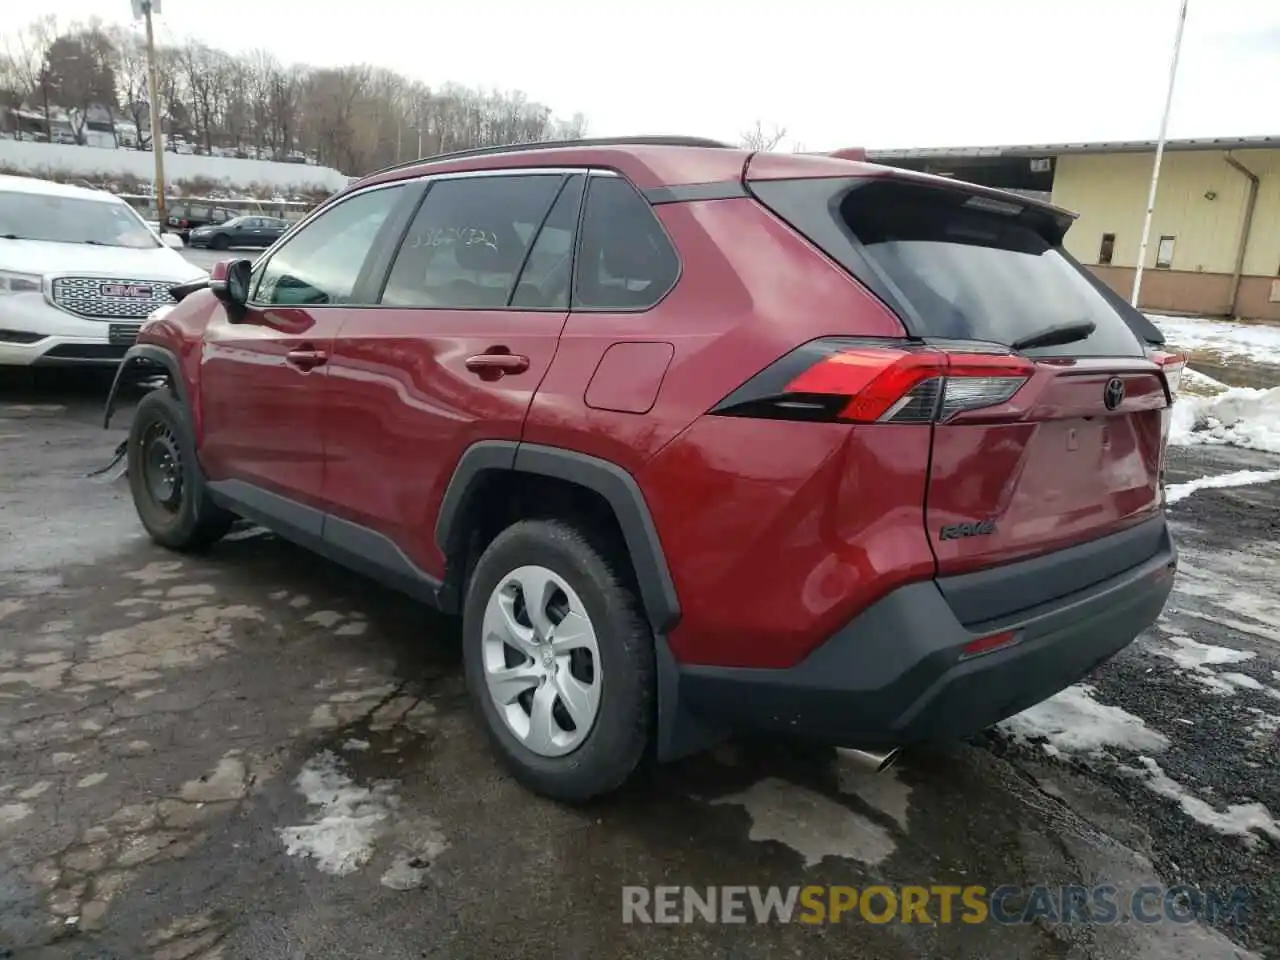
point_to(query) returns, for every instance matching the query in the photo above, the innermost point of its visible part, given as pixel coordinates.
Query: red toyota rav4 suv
(696, 440)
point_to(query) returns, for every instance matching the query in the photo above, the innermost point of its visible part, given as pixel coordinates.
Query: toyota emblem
(1113, 393)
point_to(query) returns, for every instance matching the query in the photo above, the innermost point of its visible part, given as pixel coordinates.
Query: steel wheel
(162, 467)
(541, 661)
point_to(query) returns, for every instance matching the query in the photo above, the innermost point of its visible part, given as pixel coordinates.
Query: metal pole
(157, 133)
(1155, 170)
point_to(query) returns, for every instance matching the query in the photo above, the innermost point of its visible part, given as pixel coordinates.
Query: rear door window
(545, 279)
(958, 265)
(468, 241)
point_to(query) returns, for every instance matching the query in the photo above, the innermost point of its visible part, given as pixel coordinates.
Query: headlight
(20, 283)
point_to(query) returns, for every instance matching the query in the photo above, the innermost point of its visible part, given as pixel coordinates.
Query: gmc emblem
(134, 290)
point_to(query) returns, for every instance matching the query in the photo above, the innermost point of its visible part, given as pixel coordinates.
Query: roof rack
(649, 141)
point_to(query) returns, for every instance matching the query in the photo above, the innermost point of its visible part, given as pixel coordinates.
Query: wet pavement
(257, 754)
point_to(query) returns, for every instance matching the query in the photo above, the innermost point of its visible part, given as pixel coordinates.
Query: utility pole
(142, 10)
(1155, 170)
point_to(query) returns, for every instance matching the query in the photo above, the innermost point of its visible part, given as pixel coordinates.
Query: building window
(1108, 247)
(1164, 253)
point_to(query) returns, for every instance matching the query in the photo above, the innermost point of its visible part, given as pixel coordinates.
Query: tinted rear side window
(956, 266)
(544, 281)
(468, 241)
(626, 261)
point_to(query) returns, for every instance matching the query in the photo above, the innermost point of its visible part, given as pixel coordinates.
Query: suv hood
(85, 260)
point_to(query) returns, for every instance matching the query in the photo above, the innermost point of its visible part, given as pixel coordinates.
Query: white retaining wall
(41, 159)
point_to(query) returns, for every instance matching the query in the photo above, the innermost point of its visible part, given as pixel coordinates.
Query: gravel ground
(257, 754)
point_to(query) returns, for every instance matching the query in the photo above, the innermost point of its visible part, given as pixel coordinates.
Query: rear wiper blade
(1056, 336)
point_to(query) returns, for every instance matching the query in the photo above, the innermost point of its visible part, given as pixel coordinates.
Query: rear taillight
(1172, 364)
(856, 382)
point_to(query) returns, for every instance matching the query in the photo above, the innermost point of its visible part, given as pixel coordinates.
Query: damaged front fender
(142, 362)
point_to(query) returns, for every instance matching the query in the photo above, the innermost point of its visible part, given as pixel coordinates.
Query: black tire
(620, 735)
(218, 242)
(187, 520)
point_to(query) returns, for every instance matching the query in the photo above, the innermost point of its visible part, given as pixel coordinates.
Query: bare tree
(26, 55)
(131, 79)
(356, 117)
(757, 138)
(201, 75)
(169, 79)
(80, 76)
(260, 72)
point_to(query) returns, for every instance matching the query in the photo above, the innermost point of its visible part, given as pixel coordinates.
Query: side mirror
(172, 241)
(229, 281)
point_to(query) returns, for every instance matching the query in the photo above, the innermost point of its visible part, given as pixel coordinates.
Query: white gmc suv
(79, 272)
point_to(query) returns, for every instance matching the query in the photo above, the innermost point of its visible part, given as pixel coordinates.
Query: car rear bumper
(897, 673)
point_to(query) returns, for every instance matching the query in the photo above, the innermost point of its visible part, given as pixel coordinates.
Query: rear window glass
(966, 268)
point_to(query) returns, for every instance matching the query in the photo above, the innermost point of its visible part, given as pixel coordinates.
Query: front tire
(559, 660)
(165, 479)
(218, 242)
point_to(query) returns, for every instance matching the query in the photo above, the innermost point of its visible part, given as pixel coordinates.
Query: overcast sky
(879, 73)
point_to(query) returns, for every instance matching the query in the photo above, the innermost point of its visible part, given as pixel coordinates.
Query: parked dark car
(697, 441)
(184, 216)
(240, 232)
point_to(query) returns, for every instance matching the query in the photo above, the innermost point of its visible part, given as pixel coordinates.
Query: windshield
(34, 216)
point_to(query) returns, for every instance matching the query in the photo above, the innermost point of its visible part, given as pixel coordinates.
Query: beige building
(1214, 248)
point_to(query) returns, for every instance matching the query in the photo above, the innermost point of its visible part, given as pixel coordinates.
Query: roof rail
(655, 140)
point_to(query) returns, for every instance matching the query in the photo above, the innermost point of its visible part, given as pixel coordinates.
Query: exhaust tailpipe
(871, 760)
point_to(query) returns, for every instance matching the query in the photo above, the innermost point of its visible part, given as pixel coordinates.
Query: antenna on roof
(850, 153)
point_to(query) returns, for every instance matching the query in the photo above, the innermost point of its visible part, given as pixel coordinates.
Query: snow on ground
(1244, 820)
(1208, 411)
(1257, 342)
(1193, 655)
(1196, 658)
(1200, 384)
(1240, 478)
(348, 820)
(1073, 722)
(1239, 416)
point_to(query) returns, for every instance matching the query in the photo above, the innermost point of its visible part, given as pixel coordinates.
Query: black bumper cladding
(897, 674)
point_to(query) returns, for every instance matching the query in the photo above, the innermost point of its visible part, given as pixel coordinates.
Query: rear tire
(165, 479)
(580, 656)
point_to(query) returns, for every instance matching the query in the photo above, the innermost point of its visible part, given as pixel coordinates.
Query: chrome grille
(102, 298)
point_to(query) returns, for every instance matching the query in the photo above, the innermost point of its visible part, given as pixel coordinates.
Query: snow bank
(1257, 342)
(1073, 722)
(42, 159)
(1240, 416)
(1200, 384)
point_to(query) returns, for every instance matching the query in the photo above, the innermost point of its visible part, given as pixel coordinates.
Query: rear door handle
(491, 366)
(306, 359)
